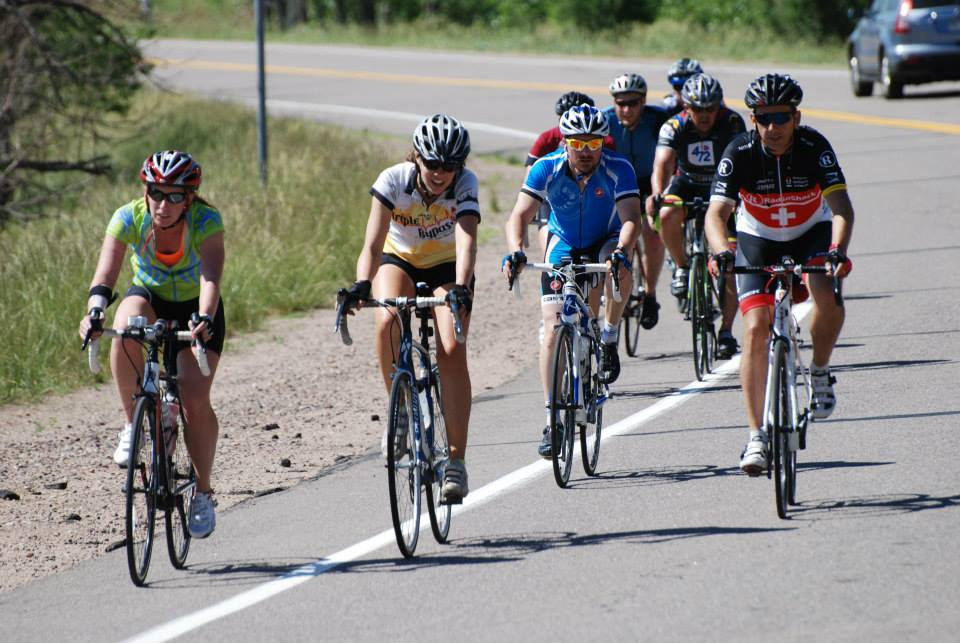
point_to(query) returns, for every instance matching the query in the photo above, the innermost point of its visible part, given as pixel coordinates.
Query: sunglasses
(446, 166)
(701, 110)
(159, 196)
(780, 118)
(628, 103)
(576, 144)
(677, 81)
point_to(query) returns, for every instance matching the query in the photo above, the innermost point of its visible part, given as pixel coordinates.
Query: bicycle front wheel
(562, 407)
(182, 480)
(631, 315)
(701, 317)
(141, 492)
(593, 401)
(403, 468)
(439, 513)
(784, 460)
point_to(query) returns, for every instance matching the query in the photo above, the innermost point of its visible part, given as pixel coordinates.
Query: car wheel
(860, 87)
(890, 86)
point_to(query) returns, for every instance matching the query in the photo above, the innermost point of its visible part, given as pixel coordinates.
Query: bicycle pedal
(451, 501)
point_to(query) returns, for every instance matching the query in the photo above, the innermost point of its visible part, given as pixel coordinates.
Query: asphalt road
(670, 542)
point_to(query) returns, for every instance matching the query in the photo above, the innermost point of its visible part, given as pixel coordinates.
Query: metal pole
(262, 94)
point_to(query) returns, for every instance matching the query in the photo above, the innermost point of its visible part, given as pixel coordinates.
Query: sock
(547, 422)
(818, 369)
(610, 333)
(756, 433)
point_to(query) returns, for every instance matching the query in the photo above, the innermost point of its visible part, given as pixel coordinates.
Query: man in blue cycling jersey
(595, 212)
(634, 126)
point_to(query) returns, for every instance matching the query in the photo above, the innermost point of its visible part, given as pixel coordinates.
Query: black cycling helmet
(702, 90)
(773, 89)
(571, 99)
(441, 138)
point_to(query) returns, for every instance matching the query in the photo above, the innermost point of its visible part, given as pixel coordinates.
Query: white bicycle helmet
(702, 90)
(442, 138)
(628, 83)
(584, 119)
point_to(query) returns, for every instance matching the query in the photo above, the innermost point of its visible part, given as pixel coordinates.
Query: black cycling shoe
(650, 312)
(545, 449)
(727, 345)
(609, 363)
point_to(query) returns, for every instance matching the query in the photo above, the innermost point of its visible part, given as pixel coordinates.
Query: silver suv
(901, 42)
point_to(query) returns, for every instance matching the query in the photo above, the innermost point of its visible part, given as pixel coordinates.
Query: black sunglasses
(628, 103)
(780, 118)
(446, 166)
(159, 196)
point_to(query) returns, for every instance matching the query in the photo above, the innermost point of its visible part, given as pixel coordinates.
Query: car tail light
(902, 26)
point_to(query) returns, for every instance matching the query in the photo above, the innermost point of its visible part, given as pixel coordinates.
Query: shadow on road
(902, 416)
(872, 506)
(232, 573)
(894, 363)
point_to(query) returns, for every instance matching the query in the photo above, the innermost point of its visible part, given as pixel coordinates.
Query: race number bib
(701, 153)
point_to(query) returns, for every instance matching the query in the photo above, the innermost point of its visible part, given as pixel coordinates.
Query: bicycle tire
(404, 478)
(440, 514)
(780, 426)
(631, 314)
(562, 412)
(698, 318)
(593, 391)
(141, 492)
(182, 481)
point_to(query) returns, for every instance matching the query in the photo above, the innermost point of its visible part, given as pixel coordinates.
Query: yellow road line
(321, 72)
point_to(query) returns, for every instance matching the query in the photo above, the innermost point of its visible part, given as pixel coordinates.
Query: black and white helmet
(571, 99)
(628, 83)
(584, 119)
(442, 138)
(702, 90)
(681, 70)
(773, 89)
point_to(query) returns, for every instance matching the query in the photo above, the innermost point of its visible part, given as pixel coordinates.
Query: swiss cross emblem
(556, 285)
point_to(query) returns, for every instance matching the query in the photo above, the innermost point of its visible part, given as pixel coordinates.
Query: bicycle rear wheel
(402, 466)
(141, 492)
(593, 402)
(783, 459)
(631, 314)
(182, 480)
(700, 312)
(439, 513)
(563, 421)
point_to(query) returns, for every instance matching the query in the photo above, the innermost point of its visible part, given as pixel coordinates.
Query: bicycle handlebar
(788, 268)
(340, 325)
(579, 268)
(148, 334)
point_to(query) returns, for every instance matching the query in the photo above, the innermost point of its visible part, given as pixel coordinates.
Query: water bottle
(170, 413)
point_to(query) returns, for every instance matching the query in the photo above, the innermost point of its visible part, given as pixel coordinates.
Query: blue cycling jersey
(581, 219)
(639, 144)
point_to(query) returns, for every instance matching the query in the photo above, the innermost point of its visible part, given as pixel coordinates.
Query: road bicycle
(701, 306)
(162, 478)
(577, 395)
(630, 322)
(788, 391)
(417, 447)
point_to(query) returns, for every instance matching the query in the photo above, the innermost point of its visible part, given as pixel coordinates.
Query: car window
(926, 4)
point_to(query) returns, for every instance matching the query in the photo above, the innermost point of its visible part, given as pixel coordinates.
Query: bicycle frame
(785, 330)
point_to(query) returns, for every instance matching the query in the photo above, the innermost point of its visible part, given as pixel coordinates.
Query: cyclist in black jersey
(688, 151)
(792, 200)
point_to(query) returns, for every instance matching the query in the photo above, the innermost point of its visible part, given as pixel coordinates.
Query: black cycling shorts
(689, 191)
(757, 290)
(181, 312)
(435, 276)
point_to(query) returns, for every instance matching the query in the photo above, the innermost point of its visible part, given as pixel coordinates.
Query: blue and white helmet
(584, 119)
(442, 138)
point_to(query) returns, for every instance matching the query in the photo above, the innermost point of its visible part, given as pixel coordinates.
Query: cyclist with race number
(422, 227)
(677, 75)
(688, 151)
(792, 201)
(595, 209)
(176, 240)
(634, 126)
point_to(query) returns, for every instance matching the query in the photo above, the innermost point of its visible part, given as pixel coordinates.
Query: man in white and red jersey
(793, 201)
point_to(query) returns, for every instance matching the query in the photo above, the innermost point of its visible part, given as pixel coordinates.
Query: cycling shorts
(688, 191)
(181, 312)
(438, 276)
(757, 290)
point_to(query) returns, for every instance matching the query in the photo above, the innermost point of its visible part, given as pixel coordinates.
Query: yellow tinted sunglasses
(576, 144)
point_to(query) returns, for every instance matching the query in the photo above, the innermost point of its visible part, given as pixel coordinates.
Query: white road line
(298, 108)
